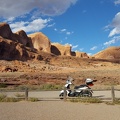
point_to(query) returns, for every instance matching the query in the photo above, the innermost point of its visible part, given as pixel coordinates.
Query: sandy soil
(58, 110)
(36, 73)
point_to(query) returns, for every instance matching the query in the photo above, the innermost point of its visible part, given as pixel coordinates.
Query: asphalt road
(55, 94)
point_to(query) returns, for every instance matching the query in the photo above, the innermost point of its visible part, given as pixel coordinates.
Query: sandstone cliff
(21, 46)
(59, 49)
(80, 54)
(40, 42)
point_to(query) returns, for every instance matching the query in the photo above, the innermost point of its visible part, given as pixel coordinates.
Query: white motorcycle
(79, 91)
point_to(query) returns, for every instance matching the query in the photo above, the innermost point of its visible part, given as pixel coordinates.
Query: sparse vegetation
(116, 101)
(86, 100)
(4, 98)
(50, 87)
(94, 100)
(32, 99)
(19, 95)
(3, 85)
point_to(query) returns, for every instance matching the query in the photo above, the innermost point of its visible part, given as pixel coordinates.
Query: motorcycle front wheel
(89, 94)
(61, 95)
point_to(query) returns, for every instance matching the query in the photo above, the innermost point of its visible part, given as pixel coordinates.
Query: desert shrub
(3, 85)
(10, 99)
(33, 99)
(116, 101)
(4, 98)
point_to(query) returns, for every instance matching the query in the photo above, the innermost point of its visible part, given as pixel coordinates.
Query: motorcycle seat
(80, 86)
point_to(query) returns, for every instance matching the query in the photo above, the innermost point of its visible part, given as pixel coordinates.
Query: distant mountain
(109, 53)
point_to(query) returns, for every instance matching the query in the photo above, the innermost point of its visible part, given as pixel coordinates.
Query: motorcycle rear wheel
(85, 94)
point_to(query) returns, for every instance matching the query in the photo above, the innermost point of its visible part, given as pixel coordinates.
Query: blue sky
(87, 25)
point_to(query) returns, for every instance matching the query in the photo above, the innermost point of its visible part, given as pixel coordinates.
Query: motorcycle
(78, 91)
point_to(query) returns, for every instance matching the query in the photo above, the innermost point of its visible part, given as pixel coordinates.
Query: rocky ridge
(28, 45)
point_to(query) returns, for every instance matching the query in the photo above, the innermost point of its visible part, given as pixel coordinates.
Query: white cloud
(68, 33)
(10, 19)
(114, 32)
(55, 29)
(68, 44)
(115, 25)
(14, 8)
(74, 46)
(63, 30)
(113, 41)
(81, 49)
(93, 48)
(117, 2)
(32, 26)
(51, 25)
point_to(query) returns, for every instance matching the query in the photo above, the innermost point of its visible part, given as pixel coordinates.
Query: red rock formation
(19, 36)
(18, 46)
(59, 49)
(5, 31)
(40, 42)
(81, 54)
(23, 38)
(10, 50)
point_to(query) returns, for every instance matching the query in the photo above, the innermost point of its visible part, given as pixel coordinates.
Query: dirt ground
(57, 70)
(38, 72)
(58, 110)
